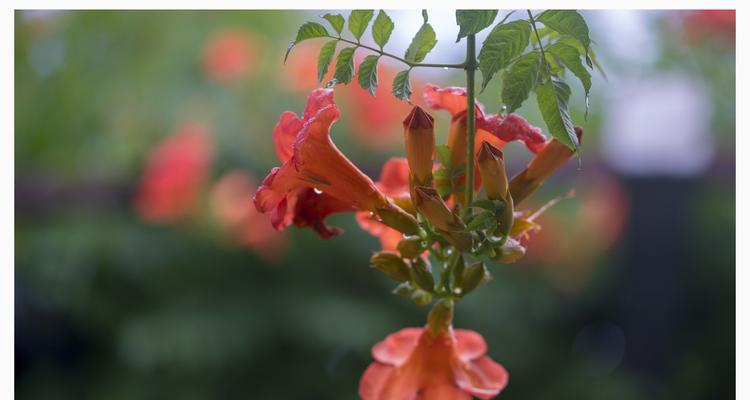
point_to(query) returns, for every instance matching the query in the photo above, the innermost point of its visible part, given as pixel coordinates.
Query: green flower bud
(391, 265)
(403, 289)
(475, 276)
(411, 246)
(422, 274)
(440, 317)
(511, 251)
(421, 298)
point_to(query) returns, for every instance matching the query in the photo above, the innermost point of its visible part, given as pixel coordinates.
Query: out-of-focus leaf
(345, 65)
(552, 98)
(308, 30)
(421, 44)
(503, 44)
(368, 73)
(325, 58)
(336, 21)
(358, 21)
(444, 155)
(520, 80)
(382, 29)
(567, 22)
(401, 86)
(473, 21)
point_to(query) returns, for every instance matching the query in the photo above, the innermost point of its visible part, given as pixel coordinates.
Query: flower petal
(311, 209)
(451, 99)
(445, 391)
(470, 345)
(373, 381)
(397, 347)
(482, 377)
(318, 100)
(285, 133)
(384, 382)
(394, 177)
(514, 127)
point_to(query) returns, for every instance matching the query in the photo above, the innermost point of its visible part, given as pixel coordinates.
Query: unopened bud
(411, 246)
(505, 219)
(440, 318)
(475, 276)
(458, 272)
(419, 137)
(398, 219)
(510, 252)
(402, 289)
(432, 206)
(422, 274)
(421, 298)
(391, 265)
(492, 169)
(457, 139)
(549, 159)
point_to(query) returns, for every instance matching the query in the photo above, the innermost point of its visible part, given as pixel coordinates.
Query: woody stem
(470, 66)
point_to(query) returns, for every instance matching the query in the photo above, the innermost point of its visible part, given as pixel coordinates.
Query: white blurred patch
(658, 125)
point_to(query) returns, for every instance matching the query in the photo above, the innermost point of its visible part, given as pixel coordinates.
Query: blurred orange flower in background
(698, 24)
(233, 210)
(414, 364)
(230, 55)
(176, 170)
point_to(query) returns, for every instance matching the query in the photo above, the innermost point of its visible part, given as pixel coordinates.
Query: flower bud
(391, 265)
(419, 137)
(403, 289)
(505, 219)
(421, 298)
(422, 275)
(440, 317)
(511, 251)
(492, 169)
(432, 206)
(411, 246)
(457, 139)
(475, 276)
(458, 272)
(545, 163)
(398, 219)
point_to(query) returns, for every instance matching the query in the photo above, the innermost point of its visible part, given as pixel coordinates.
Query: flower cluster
(420, 212)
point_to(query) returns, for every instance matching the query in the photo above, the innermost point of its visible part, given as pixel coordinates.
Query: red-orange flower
(413, 364)
(230, 55)
(394, 183)
(230, 206)
(495, 129)
(316, 179)
(176, 169)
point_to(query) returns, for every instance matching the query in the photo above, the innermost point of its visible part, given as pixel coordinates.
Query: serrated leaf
(325, 58)
(367, 75)
(570, 57)
(567, 22)
(444, 155)
(473, 21)
(358, 21)
(345, 65)
(336, 21)
(479, 219)
(590, 58)
(382, 29)
(552, 98)
(308, 30)
(503, 44)
(421, 44)
(401, 85)
(520, 80)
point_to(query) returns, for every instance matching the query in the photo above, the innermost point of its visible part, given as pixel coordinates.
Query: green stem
(538, 38)
(395, 57)
(471, 66)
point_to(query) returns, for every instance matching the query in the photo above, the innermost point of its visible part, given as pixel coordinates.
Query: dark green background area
(109, 307)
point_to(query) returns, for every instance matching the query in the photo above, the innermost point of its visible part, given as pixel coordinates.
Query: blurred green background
(628, 291)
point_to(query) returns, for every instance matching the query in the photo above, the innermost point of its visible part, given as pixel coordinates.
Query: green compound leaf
(504, 43)
(325, 58)
(567, 22)
(382, 29)
(552, 98)
(401, 86)
(421, 44)
(473, 21)
(358, 21)
(336, 21)
(368, 74)
(345, 65)
(520, 80)
(308, 30)
(569, 56)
